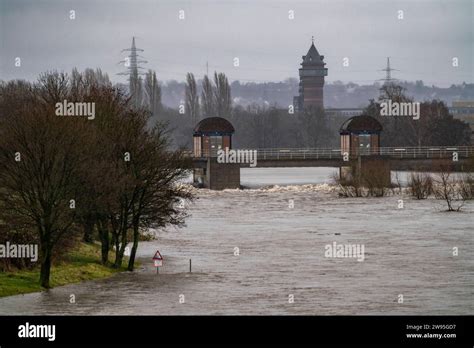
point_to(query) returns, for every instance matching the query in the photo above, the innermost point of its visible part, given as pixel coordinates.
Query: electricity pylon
(388, 73)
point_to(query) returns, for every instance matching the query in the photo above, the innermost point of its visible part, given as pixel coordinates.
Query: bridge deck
(392, 152)
(401, 158)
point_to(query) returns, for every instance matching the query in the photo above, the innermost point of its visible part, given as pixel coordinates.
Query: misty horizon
(268, 44)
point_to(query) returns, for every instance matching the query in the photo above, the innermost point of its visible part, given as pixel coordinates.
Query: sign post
(158, 261)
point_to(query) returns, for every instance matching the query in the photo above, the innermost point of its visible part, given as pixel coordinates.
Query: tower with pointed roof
(312, 73)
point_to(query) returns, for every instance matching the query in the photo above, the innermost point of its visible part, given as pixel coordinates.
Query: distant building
(312, 73)
(360, 135)
(464, 111)
(211, 135)
(360, 140)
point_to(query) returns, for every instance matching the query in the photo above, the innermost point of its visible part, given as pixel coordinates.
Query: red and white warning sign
(158, 259)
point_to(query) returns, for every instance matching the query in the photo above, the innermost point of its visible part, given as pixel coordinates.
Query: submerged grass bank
(81, 264)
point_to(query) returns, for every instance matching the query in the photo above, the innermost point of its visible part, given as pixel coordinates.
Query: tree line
(435, 127)
(337, 94)
(63, 179)
(215, 97)
(272, 127)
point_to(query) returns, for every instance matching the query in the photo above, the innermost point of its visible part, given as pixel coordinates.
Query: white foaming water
(258, 177)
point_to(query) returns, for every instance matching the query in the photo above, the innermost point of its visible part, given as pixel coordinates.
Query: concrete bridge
(225, 174)
(217, 164)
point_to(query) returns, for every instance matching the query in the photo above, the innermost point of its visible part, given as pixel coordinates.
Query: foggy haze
(268, 44)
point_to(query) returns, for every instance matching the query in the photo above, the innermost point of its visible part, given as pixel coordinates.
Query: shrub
(420, 185)
(466, 186)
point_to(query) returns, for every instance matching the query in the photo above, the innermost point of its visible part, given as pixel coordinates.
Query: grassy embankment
(81, 264)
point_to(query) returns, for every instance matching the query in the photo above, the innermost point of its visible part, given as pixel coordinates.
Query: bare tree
(136, 89)
(222, 95)
(192, 99)
(208, 102)
(466, 186)
(102, 181)
(314, 130)
(153, 92)
(445, 188)
(156, 173)
(41, 158)
(420, 185)
(57, 173)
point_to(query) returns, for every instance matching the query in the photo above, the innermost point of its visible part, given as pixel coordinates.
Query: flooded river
(281, 252)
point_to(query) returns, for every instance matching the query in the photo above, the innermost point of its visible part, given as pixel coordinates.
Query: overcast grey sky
(268, 44)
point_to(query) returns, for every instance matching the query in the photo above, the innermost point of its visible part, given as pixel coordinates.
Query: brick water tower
(312, 73)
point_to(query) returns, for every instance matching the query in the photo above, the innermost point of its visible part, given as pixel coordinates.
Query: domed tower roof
(214, 126)
(362, 124)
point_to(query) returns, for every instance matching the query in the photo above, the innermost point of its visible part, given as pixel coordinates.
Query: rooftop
(361, 124)
(214, 125)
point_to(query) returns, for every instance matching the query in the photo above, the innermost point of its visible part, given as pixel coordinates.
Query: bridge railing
(295, 154)
(393, 152)
(427, 152)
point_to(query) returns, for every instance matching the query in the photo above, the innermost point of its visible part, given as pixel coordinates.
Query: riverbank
(80, 265)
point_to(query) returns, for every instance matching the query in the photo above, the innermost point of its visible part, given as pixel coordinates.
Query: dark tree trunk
(118, 261)
(131, 261)
(116, 232)
(89, 230)
(104, 240)
(113, 239)
(45, 262)
(120, 251)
